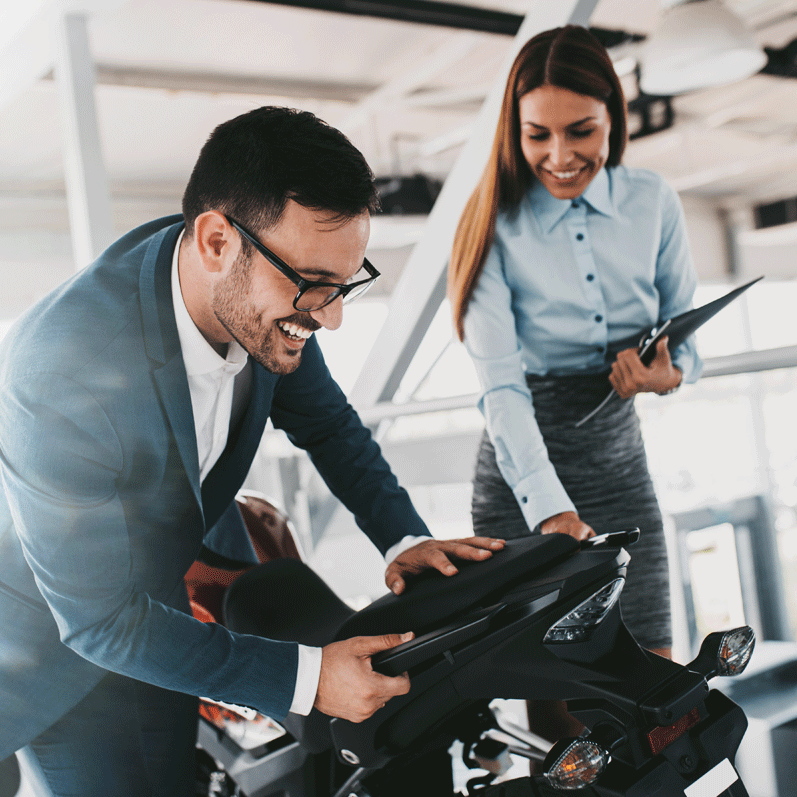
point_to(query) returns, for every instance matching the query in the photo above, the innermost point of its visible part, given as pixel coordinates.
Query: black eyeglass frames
(313, 295)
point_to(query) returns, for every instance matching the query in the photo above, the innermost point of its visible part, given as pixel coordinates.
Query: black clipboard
(677, 329)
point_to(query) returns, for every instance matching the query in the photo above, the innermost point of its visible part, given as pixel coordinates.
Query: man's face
(254, 301)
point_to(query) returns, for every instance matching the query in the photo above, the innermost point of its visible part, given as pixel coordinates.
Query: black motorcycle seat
(432, 599)
(285, 600)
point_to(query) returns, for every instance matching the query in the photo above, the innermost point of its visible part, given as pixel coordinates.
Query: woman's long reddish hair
(570, 58)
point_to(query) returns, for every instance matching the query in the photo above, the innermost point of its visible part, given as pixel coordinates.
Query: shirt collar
(550, 211)
(198, 355)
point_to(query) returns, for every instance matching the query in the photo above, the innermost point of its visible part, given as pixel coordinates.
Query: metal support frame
(418, 294)
(87, 190)
(761, 582)
(745, 362)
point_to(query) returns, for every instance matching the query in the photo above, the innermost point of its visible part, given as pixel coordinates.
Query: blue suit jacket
(103, 513)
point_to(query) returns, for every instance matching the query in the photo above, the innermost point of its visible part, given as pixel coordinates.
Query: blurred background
(104, 105)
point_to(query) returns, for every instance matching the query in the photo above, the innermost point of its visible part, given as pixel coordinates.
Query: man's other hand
(437, 554)
(348, 687)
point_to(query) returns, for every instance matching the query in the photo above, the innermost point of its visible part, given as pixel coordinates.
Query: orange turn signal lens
(580, 763)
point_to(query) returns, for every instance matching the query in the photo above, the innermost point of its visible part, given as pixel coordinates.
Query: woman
(561, 254)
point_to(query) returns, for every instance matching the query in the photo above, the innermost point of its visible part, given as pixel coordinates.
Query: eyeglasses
(314, 295)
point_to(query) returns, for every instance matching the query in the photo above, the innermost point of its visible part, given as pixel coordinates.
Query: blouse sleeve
(505, 399)
(676, 279)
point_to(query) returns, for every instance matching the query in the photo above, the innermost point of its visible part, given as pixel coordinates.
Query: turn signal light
(725, 652)
(735, 650)
(575, 763)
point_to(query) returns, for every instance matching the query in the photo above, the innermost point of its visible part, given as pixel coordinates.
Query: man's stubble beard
(232, 310)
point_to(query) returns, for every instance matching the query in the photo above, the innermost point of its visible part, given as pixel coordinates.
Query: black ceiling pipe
(449, 15)
(424, 12)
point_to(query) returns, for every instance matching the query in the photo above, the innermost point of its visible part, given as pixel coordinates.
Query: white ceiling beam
(453, 50)
(421, 288)
(455, 137)
(763, 166)
(442, 98)
(226, 83)
(27, 39)
(27, 54)
(87, 191)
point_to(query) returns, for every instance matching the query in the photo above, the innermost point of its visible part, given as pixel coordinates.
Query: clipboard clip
(647, 338)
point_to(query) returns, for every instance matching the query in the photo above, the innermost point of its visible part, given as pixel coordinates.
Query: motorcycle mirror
(575, 763)
(725, 653)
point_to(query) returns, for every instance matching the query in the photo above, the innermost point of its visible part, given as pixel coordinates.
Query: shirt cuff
(402, 545)
(688, 361)
(308, 672)
(541, 496)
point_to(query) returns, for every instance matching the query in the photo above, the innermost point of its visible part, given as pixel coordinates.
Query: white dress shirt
(220, 388)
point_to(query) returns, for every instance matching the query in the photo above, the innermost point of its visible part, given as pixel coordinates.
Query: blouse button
(575, 204)
(590, 277)
(599, 318)
(525, 499)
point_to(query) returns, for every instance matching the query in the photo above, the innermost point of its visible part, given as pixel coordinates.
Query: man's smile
(294, 331)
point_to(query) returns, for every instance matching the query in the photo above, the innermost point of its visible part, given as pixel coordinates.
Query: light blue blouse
(563, 281)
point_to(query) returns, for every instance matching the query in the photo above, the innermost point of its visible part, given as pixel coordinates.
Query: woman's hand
(567, 523)
(630, 375)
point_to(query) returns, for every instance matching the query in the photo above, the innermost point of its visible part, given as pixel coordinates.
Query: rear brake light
(579, 624)
(659, 738)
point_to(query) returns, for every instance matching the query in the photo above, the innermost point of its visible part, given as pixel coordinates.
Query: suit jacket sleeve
(60, 459)
(310, 407)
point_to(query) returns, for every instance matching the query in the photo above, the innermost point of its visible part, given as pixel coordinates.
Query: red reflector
(659, 738)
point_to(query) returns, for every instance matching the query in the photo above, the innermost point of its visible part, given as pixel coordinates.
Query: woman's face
(564, 137)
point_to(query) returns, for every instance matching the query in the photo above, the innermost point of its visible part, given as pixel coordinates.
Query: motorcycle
(539, 620)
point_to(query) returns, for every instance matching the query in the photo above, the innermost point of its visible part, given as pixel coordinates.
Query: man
(132, 400)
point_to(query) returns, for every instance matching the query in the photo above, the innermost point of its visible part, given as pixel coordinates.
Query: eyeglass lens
(316, 297)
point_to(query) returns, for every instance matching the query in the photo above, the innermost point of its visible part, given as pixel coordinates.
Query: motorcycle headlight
(579, 624)
(575, 763)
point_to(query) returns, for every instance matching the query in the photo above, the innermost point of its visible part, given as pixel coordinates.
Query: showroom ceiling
(405, 92)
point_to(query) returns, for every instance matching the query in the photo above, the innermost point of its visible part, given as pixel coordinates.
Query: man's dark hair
(252, 165)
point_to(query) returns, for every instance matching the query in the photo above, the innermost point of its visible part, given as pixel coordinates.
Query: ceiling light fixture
(699, 44)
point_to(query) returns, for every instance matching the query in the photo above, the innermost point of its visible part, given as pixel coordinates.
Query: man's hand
(567, 523)
(437, 554)
(348, 687)
(630, 376)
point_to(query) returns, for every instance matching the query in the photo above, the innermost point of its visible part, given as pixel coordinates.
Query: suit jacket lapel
(163, 346)
(228, 474)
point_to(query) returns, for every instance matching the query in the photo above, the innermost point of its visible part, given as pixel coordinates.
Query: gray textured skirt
(603, 467)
